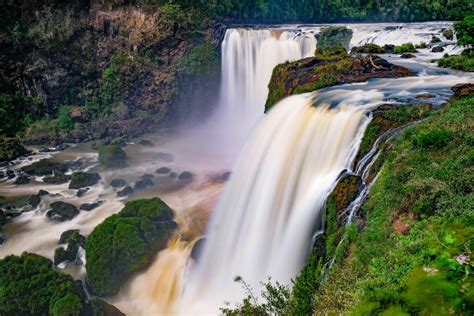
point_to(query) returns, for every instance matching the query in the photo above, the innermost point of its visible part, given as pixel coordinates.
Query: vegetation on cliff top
(125, 243)
(465, 33)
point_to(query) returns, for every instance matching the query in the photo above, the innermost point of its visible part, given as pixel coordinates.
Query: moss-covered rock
(112, 156)
(45, 167)
(83, 179)
(125, 243)
(314, 73)
(449, 34)
(57, 178)
(368, 48)
(62, 211)
(10, 148)
(334, 36)
(28, 286)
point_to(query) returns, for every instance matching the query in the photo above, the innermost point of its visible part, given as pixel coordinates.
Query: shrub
(64, 120)
(434, 139)
(331, 53)
(368, 48)
(405, 48)
(125, 243)
(465, 31)
(463, 62)
(29, 286)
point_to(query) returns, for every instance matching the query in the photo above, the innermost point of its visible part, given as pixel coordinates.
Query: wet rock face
(334, 36)
(10, 148)
(62, 211)
(90, 206)
(197, 249)
(314, 73)
(83, 179)
(22, 179)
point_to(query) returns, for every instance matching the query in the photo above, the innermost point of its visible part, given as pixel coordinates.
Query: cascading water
(248, 59)
(265, 218)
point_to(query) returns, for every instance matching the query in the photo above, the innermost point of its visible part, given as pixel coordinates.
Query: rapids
(283, 166)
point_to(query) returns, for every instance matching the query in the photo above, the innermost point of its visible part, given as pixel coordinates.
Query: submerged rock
(407, 55)
(437, 49)
(83, 179)
(118, 183)
(166, 157)
(81, 192)
(163, 170)
(314, 73)
(148, 176)
(146, 143)
(62, 211)
(90, 206)
(22, 179)
(143, 184)
(185, 175)
(173, 175)
(57, 178)
(125, 192)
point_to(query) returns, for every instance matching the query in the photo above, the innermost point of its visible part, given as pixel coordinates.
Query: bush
(465, 31)
(64, 120)
(368, 48)
(125, 243)
(29, 286)
(463, 62)
(331, 53)
(405, 48)
(434, 139)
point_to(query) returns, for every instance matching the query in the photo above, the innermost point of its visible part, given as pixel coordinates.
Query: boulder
(334, 36)
(226, 176)
(185, 175)
(57, 178)
(62, 211)
(112, 156)
(163, 170)
(90, 206)
(125, 192)
(126, 243)
(42, 193)
(3, 218)
(11, 148)
(449, 34)
(143, 184)
(146, 143)
(148, 176)
(66, 235)
(463, 89)
(166, 157)
(173, 175)
(45, 167)
(389, 49)
(437, 49)
(118, 183)
(81, 192)
(74, 240)
(407, 55)
(22, 179)
(435, 39)
(10, 174)
(83, 179)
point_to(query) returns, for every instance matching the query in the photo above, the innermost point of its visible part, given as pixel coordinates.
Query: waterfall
(248, 59)
(263, 223)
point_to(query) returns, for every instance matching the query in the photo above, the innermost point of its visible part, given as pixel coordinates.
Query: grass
(458, 62)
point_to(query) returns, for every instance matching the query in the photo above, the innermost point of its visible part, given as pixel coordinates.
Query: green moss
(331, 53)
(112, 156)
(29, 286)
(125, 243)
(334, 36)
(202, 59)
(405, 48)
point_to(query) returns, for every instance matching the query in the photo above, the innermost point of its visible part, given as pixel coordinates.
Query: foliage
(405, 48)
(331, 53)
(126, 242)
(465, 31)
(15, 111)
(368, 48)
(462, 62)
(29, 286)
(202, 59)
(64, 120)
(334, 36)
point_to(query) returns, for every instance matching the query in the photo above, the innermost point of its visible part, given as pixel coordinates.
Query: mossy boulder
(368, 48)
(334, 36)
(126, 242)
(83, 179)
(45, 167)
(57, 178)
(29, 286)
(74, 240)
(112, 156)
(62, 211)
(449, 34)
(314, 73)
(11, 148)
